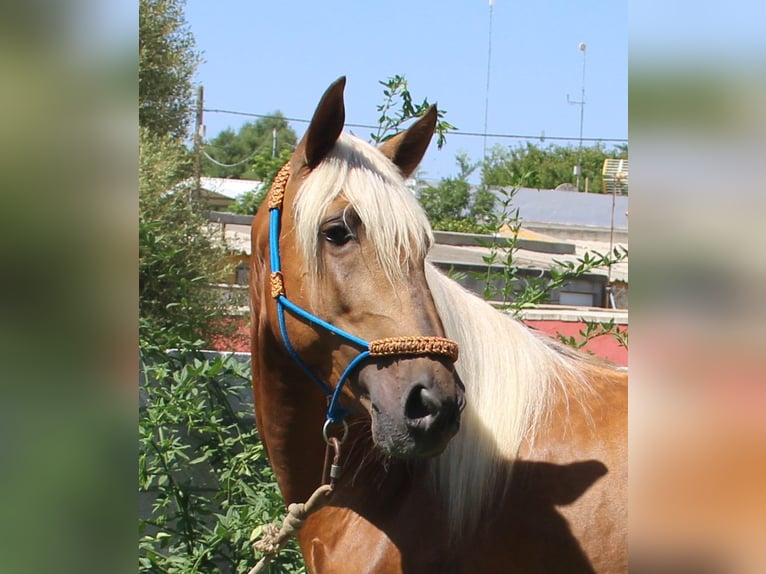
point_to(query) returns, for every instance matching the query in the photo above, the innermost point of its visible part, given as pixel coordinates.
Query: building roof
(571, 207)
(446, 255)
(229, 188)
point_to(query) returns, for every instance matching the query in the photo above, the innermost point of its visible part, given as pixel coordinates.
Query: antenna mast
(489, 68)
(578, 168)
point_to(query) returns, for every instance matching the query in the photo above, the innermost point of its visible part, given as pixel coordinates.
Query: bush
(179, 258)
(202, 467)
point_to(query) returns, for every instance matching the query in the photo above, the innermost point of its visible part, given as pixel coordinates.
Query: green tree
(482, 205)
(264, 167)
(546, 168)
(448, 200)
(451, 205)
(178, 257)
(167, 62)
(246, 153)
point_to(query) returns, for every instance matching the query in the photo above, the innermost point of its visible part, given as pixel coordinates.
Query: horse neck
(289, 413)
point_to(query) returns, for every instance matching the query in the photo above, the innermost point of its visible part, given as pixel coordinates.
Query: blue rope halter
(379, 347)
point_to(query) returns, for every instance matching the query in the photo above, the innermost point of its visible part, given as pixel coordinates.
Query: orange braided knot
(277, 189)
(277, 284)
(414, 346)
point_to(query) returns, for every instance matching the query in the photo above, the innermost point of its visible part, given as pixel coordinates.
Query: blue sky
(265, 56)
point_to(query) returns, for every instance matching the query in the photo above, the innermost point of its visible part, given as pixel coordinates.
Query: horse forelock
(511, 378)
(393, 220)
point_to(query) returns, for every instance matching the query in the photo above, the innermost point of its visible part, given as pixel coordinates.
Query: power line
(240, 162)
(268, 116)
(455, 133)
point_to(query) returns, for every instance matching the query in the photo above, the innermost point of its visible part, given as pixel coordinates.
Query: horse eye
(338, 234)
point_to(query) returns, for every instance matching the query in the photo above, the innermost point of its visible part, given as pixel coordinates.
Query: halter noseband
(393, 346)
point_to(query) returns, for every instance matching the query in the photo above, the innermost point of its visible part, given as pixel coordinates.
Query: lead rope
(273, 538)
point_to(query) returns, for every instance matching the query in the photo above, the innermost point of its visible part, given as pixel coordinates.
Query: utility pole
(199, 127)
(274, 142)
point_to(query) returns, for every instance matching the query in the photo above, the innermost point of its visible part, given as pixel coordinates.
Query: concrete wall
(577, 232)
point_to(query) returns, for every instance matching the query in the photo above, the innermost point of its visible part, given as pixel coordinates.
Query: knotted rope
(277, 284)
(414, 346)
(277, 190)
(273, 540)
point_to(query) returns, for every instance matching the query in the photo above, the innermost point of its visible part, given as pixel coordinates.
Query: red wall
(604, 346)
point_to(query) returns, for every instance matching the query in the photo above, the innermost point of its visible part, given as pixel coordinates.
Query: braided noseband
(394, 346)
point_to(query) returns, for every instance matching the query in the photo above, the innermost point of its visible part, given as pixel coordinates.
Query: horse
(460, 440)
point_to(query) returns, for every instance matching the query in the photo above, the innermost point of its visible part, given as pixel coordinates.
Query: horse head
(351, 245)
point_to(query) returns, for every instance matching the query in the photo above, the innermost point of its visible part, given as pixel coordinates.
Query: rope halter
(393, 346)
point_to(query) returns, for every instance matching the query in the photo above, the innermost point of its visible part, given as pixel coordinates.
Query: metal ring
(327, 424)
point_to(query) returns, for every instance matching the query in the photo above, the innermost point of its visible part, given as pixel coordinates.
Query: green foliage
(253, 140)
(548, 167)
(203, 467)
(167, 61)
(449, 200)
(460, 225)
(266, 167)
(594, 329)
(499, 285)
(451, 206)
(483, 205)
(398, 107)
(537, 290)
(178, 256)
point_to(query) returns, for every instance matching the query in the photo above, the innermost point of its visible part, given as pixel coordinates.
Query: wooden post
(196, 193)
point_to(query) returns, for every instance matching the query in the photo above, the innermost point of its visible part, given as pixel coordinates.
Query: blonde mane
(392, 218)
(510, 374)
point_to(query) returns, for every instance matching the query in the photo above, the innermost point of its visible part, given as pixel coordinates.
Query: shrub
(203, 467)
(178, 258)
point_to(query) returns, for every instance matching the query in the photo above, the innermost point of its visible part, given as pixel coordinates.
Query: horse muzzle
(415, 419)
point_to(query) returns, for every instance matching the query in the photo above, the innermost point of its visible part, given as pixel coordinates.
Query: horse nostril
(421, 403)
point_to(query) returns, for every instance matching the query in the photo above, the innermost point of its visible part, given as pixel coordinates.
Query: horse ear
(407, 148)
(326, 124)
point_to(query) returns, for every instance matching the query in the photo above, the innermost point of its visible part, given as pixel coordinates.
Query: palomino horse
(509, 457)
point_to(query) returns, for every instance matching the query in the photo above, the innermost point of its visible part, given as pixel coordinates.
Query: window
(576, 299)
